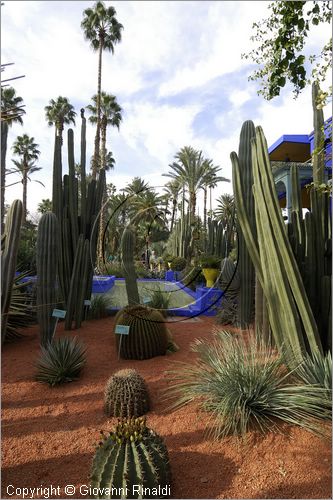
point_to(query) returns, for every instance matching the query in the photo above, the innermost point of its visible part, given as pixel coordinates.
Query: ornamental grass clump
(61, 361)
(244, 385)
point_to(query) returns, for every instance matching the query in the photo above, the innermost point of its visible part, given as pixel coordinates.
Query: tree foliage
(280, 50)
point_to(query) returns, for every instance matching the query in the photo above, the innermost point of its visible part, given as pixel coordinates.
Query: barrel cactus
(147, 333)
(131, 462)
(126, 395)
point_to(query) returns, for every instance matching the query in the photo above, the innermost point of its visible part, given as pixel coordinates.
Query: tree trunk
(24, 199)
(174, 202)
(103, 145)
(96, 158)
(205, 219)
(4, 136)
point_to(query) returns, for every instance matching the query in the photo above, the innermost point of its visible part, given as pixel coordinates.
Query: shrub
(98, 307)
(126, 395)
(192, 277)
(178, 263)
(316, 370)
(61, 361)
(210, 262)
(113, 269)
(160, 300)
(227, 312)
(244, 384)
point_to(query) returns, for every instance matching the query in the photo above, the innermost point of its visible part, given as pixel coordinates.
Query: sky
(177, 74)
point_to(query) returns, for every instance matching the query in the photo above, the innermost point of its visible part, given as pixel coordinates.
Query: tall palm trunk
(24, 197)
(210, 198)
(205, 218)
(96, 158)
(193, 202)
(4, 136)
(174, 202)
(102, 214)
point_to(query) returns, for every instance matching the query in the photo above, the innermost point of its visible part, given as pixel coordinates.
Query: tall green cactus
(318, 160)
(10, 244)
(47, 255)
(245, 265)
(291, 318)
(127, 262)
(78, 223)
(131, 462)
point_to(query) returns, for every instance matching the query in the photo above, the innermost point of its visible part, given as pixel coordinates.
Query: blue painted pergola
(296, 149)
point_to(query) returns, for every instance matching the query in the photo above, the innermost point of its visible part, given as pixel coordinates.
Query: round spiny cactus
(131, 462)
(147, 333)
(126, 395)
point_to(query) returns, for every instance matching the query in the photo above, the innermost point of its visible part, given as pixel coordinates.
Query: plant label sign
(87, 302)
(122, 329)
(58, 313)
(146, 300)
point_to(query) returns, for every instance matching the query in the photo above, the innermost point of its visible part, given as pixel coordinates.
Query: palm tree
(136, 187)
(111, 114)
(172, 189)
(103, 31)
(25, 147)
(210, 180)
(225, 211)
(44, 206)
(189, 170)
(11, 112)
(60, 113)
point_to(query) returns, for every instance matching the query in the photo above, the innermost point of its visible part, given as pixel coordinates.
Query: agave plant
(20, 313)
(244, 384)
(316, 370)
(61, 361)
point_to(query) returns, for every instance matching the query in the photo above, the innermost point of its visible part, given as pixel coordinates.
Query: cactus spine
(147, 334)
(289, 310)
(127, 261)
(126, 395)
(245, 265)
(131, 457)
(47, 254)
(11, 242)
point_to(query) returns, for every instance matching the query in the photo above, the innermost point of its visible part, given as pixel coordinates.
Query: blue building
(297, 149)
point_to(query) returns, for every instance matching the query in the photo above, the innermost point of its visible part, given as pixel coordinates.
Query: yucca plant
(160, 299)
(98, 307)
(61, 361)
(20, 313)
(316, 370)
(244, 384)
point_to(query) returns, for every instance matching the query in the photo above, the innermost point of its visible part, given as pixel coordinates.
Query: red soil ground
(49, 434)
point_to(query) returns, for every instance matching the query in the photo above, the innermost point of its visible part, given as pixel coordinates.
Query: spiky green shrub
(178, 263)
(131, 457)
(98, 307)
(126, 394)
(160, 300)
(227, 312)
(61, 361)
(21, 312)
(244, 384)
(316, 370)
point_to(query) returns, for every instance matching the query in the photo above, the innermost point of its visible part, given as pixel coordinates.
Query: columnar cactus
(9, 249)
(318, 159)
(147, 333)
(78, 228)
(127, 261)
(47, 255)
(290, 314)
(131, 462)
(126, 395)
(245, 265)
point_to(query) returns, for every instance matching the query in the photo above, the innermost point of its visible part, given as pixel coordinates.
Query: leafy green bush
(98, 307)
(210, 262)
(61, 361)
(113, 269)
(178, 263)
(192, 277)
(244, 384)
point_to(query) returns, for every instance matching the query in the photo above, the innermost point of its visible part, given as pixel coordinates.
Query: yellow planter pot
(211, 276)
